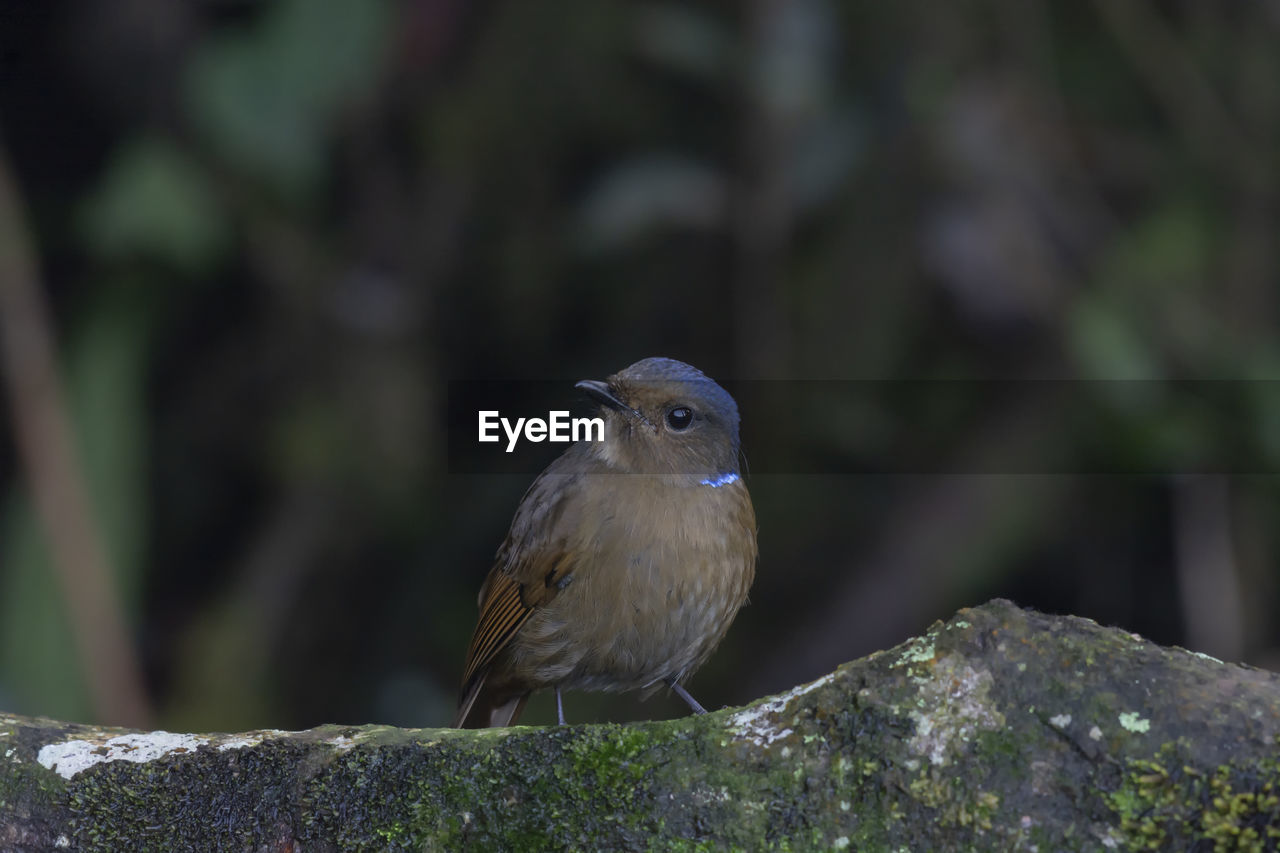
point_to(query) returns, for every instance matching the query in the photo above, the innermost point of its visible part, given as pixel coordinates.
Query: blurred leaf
(152, 200)
(819, 166)
(1167, 250)
(266, 98)
(1146, 288)
(1105, 342)
(38, 659)
(791, 65)
(646, 192)
(539, 79)
(684, 39)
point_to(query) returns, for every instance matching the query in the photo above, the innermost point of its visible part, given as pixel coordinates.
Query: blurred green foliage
(266, 98)
(155, 202)
(105, 373)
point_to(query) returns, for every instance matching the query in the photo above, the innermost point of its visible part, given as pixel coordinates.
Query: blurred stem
(762, 222)
(1249, 270)
(42, 429)
(1208, 581)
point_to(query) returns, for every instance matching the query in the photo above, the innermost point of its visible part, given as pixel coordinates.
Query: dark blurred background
(261, 239)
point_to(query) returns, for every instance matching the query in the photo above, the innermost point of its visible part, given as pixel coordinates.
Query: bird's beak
(602, 393)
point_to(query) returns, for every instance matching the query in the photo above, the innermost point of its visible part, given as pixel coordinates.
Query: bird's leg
(559, 707)
(684, 694)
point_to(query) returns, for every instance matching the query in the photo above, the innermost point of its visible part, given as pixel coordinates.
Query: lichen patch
(249, 739)
(756, 723)
(1132, 721)
(958, 699)
(67, 758)
(916, 650)
(342, 742)
(73, 756)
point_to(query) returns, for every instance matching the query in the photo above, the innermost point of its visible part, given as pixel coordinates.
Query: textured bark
(1000, 729)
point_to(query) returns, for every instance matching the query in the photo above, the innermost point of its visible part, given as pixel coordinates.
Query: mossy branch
(1000, 729)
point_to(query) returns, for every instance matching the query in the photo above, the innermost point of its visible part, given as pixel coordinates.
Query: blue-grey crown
(670, 370)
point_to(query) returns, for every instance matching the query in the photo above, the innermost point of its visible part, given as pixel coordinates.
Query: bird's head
(663, 416)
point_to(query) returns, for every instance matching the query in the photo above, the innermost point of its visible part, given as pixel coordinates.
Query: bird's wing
(533, 565)
(507, 602)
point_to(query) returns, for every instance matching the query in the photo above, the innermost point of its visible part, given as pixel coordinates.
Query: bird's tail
(482, 708)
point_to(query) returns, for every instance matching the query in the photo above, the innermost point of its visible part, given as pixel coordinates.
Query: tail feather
(483, 708)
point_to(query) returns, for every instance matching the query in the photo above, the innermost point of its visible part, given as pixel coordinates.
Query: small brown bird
(627, 558)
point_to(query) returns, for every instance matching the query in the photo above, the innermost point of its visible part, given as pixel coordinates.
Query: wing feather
(502, 612)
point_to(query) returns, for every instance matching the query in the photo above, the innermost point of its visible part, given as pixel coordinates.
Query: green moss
(1245, 820)
(608, 759)
(685, 845)
(954, 801)
(1163, 802)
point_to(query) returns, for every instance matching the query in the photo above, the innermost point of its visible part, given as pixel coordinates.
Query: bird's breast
(663, 569)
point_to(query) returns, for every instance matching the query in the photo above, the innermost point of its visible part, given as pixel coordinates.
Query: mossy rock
(999, 729)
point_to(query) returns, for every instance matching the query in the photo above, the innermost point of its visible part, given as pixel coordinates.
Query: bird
(627, 558)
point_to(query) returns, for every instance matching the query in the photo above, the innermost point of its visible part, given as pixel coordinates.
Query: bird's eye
(679, 418)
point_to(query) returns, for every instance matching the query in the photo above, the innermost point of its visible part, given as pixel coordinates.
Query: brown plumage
(627, 559)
